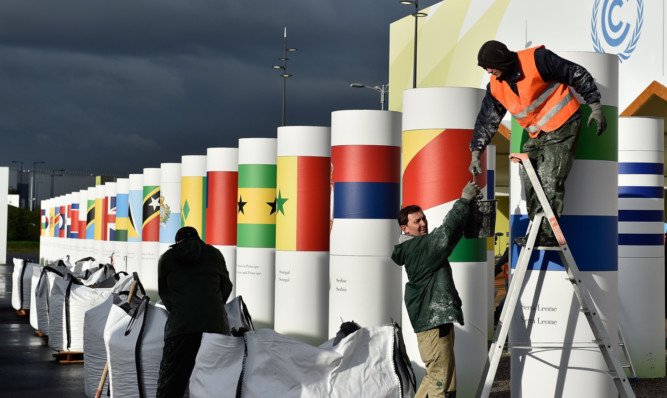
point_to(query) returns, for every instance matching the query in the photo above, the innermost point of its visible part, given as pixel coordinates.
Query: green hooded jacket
(194, 285)
(431, 298)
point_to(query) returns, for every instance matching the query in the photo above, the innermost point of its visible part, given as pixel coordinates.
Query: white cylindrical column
(83, 222)
(302, 233)
(193, 193)
(256, 228)
(548, 311)
(222, 165)
(90, 224)
(150, 230)
(365, 192)
(641, 256)
(109, 233)
(437, 129)
(122, 221)
(135, 215)
(170, 204)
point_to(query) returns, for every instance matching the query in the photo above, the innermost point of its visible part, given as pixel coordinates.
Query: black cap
(496, 55)
(185, 233)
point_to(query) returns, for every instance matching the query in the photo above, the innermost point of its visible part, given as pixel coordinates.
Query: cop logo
(616, 26)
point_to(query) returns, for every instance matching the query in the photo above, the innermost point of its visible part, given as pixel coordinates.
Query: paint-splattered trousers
(436, 347)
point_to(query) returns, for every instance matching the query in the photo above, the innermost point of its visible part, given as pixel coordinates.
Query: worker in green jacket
(431, 299)
(194, 285)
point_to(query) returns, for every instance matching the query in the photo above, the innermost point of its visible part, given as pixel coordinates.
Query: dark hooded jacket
(431, 298)
(551, 68)
(194, 285)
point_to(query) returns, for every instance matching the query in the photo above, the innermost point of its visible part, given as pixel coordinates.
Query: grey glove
(475, 165)
(470, 191)
(598, 117)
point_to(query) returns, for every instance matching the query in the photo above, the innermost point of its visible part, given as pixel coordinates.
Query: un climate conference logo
(620, 26)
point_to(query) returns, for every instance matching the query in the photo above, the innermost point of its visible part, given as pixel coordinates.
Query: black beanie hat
(496, 55)
(186, 233)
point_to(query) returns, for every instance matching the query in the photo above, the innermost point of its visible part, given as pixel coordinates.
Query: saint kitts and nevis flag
(151, 214)
(257, 205)
(302, 203)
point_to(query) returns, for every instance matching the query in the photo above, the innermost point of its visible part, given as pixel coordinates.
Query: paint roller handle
(105, 372)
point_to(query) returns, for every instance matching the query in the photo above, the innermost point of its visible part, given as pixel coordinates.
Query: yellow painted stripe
(52, 216)
(414, 141)
(191, 192)
(256, 210)
(98, 219)
(287, 189)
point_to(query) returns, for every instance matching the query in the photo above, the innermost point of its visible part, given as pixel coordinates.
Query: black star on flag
(273, 206)
(241, 203)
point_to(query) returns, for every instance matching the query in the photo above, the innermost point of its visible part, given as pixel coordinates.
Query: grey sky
(116, 86)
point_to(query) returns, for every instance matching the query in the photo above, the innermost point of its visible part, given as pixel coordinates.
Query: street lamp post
(284, 75)
(19, 180)
(33, 177)
(382, 89)
(416, 14)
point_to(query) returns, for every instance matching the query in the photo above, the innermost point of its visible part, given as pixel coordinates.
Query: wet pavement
(27, 367)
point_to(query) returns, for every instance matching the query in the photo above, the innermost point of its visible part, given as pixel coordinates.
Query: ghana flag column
(170, 204)
(256, 229)
(150, 230)
(547, 314)
(122, 221)
(302, 233)
(437, 129)
(135, 216)
(365, 185)
(222, 165)
(641, 256)
(193, 192)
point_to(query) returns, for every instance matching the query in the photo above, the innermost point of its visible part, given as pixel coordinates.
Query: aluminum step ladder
(586, 303)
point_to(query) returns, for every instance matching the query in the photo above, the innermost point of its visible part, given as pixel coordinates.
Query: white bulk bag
(217, 367)
(94, 351)
(34, 280)
(21, 278)
(68, 304)
(80, 266)
(134, 338)
(43, 293)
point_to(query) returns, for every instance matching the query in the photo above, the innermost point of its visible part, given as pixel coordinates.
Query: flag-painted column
(109, 233)
(222, 165)
(150, 230)
(122, 221)
(437, 129)
(90, 224)
(170, 203)
(44, 223)
(83, 223)
(66, 209)
(548, 312)
(365, 196)
(302, 233)
(48, 221)
(134, 225)
(74, 224)
(641, 256)
(57, 227)
(256, 229)
(193, 193)
(490, 242)
(100, 224)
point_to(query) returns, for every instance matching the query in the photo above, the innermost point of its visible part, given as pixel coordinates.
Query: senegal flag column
(150, 230)
(302, 233)
(193, 192)
(641, 256)
(437, 129)
(122, 221)
(365, 185)
(222, 165)
(256, 233)
(170, 204)
(135, 216)
(548, 312)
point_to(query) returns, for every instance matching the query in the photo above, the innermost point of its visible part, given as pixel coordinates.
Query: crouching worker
(194, 285)
(431, 299)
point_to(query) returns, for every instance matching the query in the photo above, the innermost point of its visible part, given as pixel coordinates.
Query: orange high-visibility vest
(540, 105)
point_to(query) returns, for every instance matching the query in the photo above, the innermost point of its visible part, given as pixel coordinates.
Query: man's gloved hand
(598, 117)
(475, 165)
(470, 191)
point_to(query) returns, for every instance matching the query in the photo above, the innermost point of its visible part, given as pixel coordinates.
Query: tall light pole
(33, 177)
(382, 89)
(19, 181)
(416, 14)
(284, 75)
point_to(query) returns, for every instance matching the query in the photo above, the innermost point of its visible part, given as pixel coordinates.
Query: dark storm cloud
(117, 86)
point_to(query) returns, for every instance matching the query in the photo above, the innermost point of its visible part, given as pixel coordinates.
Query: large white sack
(34, 280)
(94, 351)
(43, 293)
(102, 276)
(21, 278)
(134, 338)
(68, 304)
(217, 367)
(80, 266)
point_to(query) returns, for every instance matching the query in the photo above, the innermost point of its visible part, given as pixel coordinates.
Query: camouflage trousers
(436, 348)
(551, 155)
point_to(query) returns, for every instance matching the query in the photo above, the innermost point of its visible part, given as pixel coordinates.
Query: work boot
(547, 241)
(521, 240)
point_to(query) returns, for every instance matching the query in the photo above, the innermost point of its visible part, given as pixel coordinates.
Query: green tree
(22, 224)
